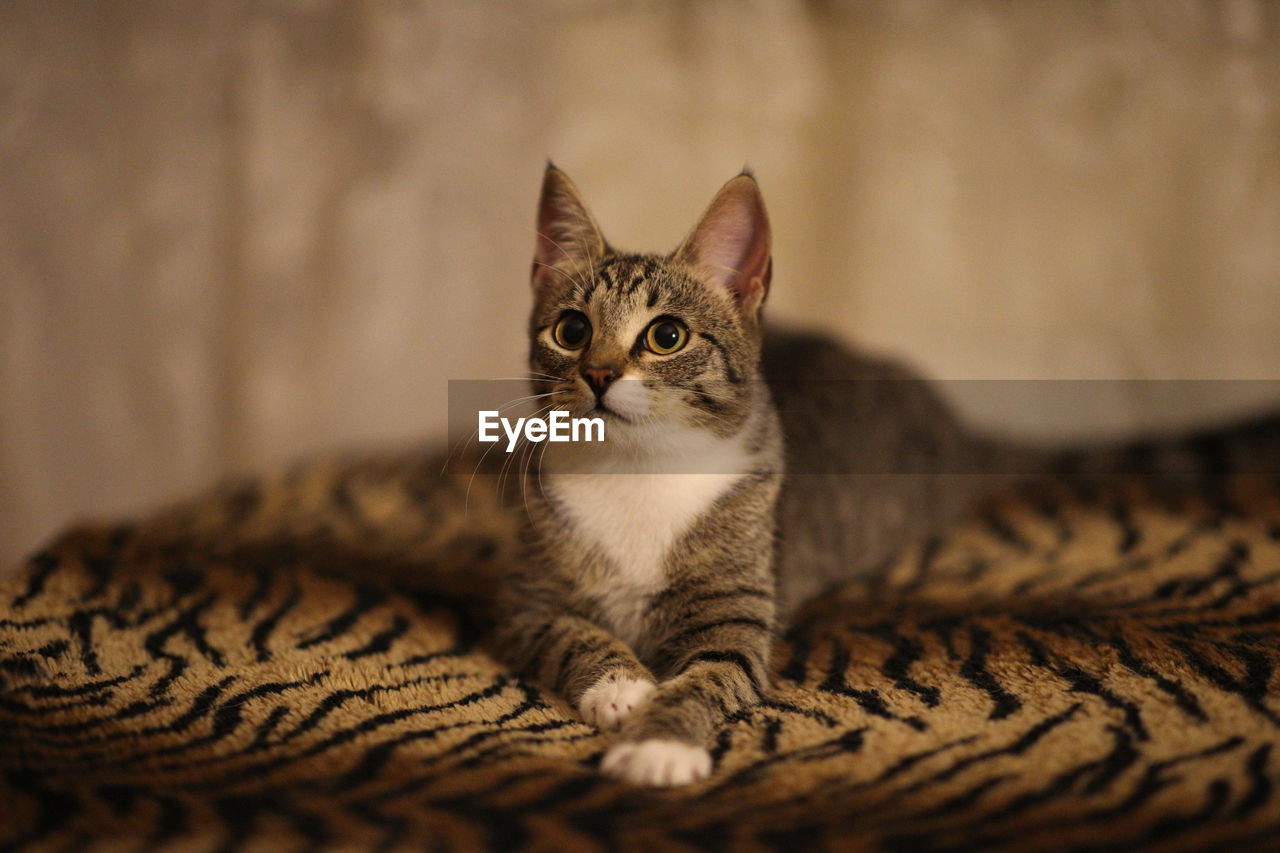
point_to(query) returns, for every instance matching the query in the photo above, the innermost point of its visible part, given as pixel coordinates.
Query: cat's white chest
(632, 507)
(634, 519)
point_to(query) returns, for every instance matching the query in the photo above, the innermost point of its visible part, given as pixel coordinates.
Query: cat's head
(650, 341)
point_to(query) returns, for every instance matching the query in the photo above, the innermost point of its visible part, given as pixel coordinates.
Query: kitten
(654, 578)
(648, 597)
(643, 578)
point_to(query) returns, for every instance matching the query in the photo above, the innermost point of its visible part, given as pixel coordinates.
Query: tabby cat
(643, 578)
(653, 577)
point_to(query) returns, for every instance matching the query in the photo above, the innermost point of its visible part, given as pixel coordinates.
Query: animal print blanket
(1080, 668)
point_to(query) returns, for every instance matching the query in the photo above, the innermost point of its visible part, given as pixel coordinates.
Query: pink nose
(599, 378)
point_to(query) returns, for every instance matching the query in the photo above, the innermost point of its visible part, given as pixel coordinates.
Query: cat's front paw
(657, 762)
(612, 699)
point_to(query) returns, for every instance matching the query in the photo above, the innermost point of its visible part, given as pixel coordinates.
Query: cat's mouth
(602, 410)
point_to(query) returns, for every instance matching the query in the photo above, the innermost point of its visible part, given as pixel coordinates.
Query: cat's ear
(731, 247)
(567, 235)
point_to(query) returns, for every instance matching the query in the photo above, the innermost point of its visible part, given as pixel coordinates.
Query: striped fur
(649, 559)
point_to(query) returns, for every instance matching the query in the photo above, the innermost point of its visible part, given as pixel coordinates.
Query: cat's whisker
(541, 457)
(575, 279)
(524, 478)
(462, 443)
(520, 443)
(502, 470)
(592, 261)
(512, 456)
(479, 465)
(466, 503)
(532, 447)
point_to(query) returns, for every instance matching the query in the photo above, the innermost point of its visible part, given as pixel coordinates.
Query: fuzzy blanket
(1079, 668)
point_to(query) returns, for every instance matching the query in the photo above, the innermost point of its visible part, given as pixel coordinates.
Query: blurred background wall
(231, 233)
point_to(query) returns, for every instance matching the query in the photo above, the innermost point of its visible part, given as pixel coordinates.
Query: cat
(655, 577)
(647, 597)
(746, 471)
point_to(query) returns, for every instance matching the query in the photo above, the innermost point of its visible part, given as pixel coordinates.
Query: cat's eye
(666, 336)
(572, 330)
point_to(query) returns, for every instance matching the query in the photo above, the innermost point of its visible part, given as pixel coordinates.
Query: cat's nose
(599, 378)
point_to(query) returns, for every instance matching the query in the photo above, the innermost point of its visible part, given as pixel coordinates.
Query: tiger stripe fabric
(1086, 666)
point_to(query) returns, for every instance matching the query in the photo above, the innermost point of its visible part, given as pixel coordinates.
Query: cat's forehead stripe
(625, 273)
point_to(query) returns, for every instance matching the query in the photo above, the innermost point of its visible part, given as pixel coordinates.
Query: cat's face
(644, 344)
(650, 343)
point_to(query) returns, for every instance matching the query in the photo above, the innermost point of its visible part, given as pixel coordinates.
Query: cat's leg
(613, 697)
(716, 649)
(594, 670)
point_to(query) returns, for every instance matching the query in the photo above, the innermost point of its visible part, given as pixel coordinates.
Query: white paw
(657, 762)
(612, 699)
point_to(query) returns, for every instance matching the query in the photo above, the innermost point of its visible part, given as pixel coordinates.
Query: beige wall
(231, 233)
